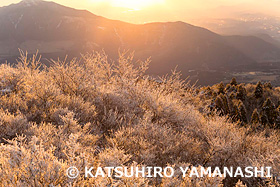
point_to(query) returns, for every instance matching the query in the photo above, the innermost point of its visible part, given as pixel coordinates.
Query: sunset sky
(141, 11)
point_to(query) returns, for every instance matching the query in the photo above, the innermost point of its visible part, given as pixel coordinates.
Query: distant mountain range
(244, 24)
(56, 30)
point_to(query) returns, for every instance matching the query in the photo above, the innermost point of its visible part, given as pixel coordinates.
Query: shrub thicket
(92, 112)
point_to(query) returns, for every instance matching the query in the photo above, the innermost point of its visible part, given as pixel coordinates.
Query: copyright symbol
(72, 172)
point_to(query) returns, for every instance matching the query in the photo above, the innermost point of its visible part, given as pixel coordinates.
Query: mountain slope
(57, 30)
(255, 47)
(268, 39)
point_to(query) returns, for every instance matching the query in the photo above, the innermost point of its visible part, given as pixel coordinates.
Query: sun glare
(135, 4)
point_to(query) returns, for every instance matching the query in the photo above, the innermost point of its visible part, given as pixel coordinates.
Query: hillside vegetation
(255, 106)
(92, 112)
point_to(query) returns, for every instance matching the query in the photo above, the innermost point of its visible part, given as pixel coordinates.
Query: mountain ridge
(56, 29)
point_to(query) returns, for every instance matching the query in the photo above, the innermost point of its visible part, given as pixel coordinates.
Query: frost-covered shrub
(11, 125)
(29, 164)
(93, 112)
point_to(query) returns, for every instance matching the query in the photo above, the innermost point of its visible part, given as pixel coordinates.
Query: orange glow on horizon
(133, 4)
(144, 11)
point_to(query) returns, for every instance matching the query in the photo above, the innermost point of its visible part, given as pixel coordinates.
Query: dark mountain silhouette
(56, 30)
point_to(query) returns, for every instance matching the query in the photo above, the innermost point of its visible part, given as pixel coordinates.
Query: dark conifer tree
(259, 90)
(233, 82)
(264, 119)
(242, 112)
(269, 110)
(235, 113)
(230, 102)
(221, 88)
(255, 118)
(219, 105)
(225, 103)
(241, 92)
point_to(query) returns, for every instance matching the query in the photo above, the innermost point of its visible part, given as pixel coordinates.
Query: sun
(135, 4)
